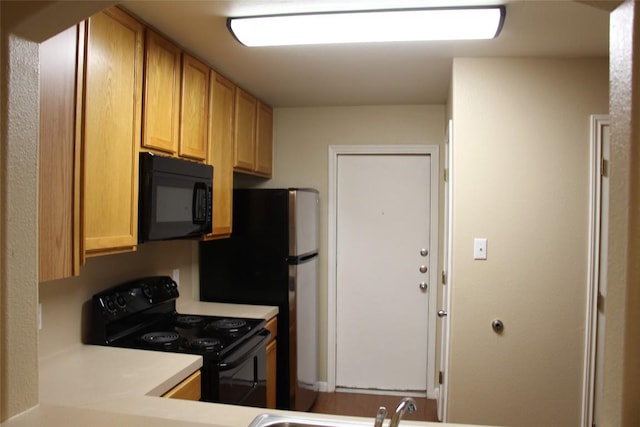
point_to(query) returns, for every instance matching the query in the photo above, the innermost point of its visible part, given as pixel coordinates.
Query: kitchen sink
(269, 420)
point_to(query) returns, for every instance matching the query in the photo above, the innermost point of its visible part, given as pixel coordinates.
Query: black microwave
(175, 198)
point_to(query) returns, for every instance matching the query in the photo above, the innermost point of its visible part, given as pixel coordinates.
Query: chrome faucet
(407, 404)
(380, 416)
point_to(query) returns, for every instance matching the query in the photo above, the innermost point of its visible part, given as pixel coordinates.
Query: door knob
(423, 269)
(424, 252)
(423, 286)
(497, 326)
(442, 313)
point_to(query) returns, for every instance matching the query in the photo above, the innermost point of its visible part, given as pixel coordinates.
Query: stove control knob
(120, 300)
(146, 291)
(110, 305)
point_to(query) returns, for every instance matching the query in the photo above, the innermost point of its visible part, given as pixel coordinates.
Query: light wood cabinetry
(264, 140)
(161, 114)
(272, 327)
(253, 152)
(93, 127)
(111, 134)
(221, 108)
(189, 389)
(245, 131)
(194, 109)
(59, 246)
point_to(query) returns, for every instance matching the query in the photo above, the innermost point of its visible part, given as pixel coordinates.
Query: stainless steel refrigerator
(271, 259)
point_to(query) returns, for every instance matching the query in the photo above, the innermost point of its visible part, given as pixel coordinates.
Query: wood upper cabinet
(162, 79)
(253, 135)
(194, 110)
(245, 131)
(264, 140)
(59, 246)
(111, 134)
(221, 108)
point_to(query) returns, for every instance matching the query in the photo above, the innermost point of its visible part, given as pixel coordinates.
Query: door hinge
(444, 277)
(604, 168)
(600, 302)
(440, 377)
(446, 175)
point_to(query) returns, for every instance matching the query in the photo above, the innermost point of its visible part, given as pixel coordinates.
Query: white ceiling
(373, 74)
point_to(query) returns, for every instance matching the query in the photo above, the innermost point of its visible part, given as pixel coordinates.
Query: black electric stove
(141, 314)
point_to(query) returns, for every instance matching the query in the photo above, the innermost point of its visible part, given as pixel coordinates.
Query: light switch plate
(479, 248)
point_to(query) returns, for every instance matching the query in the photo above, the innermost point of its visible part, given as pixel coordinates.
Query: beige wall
(302, 137)
(65, 302)
(521, 179)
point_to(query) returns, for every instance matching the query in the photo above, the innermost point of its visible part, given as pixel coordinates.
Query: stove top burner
(160, 339)
(205, 343)
(227, 326)
(187, 321)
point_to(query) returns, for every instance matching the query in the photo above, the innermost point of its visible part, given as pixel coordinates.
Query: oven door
(243, 374)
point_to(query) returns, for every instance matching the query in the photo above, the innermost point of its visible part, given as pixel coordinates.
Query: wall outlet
(175, 275)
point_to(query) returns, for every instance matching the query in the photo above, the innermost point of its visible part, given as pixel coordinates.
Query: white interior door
(382, 297)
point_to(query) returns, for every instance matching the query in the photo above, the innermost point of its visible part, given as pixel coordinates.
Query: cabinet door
(271, 375)
(245, 131)
(189, 389)
(272, 327)
(161, 114)
(222, 100)
(59, 197)
(194, 112)
(111, 137)
(264, 140)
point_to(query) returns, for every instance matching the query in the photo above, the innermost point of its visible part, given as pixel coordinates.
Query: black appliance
(175, 198)
(141, 314)
(271, 259)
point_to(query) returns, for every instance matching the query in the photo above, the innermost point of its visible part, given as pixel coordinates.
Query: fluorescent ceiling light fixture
(369, 26)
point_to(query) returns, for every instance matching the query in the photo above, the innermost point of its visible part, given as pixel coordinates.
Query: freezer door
(303, 222)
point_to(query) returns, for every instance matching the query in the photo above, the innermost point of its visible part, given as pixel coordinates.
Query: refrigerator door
(303, 277)
(303, 222)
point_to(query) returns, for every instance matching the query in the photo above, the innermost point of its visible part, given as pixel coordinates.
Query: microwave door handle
(196, 206)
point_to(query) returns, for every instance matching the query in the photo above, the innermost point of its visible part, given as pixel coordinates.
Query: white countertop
(186, 306)
(105, 386)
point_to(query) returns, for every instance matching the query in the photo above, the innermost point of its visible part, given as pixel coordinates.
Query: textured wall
(19, 224)
(23, 25)
(622, 306)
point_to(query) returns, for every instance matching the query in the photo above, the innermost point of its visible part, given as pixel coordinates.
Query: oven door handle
(262, 337)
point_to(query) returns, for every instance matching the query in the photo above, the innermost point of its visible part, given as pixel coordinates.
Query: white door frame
(341, 150)
(596, 233)
(442, 393)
